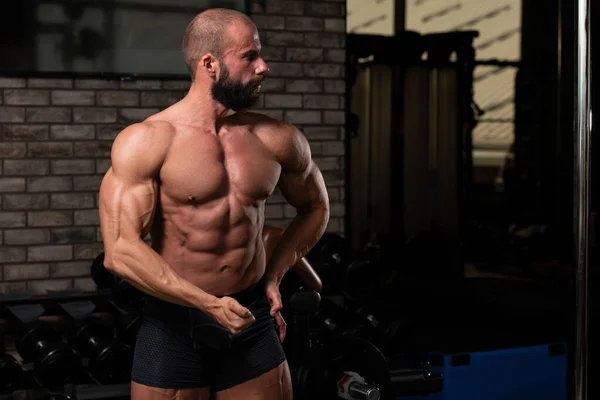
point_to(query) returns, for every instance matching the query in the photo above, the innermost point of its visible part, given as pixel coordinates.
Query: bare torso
(211, 199)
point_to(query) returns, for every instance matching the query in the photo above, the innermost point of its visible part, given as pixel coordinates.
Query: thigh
(143, 392)
(275, 384)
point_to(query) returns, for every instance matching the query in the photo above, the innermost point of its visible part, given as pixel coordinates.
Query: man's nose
(262, 68)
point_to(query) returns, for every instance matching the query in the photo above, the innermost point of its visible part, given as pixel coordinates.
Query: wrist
(206, 302)
(272, 279)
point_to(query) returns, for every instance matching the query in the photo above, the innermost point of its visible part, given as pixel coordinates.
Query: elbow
(116, 267)
(109, 261)
(323, 212)
(112, 256)
(108, 264)
(320, 208)
(111, 274)
(323, 209)
(326, 212)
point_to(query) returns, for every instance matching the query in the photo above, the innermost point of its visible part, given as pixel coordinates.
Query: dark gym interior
(449, 266)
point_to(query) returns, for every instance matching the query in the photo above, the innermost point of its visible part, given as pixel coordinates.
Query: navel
(191, 198)
(223, 268)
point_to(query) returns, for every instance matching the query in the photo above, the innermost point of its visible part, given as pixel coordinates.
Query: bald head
(209, 32)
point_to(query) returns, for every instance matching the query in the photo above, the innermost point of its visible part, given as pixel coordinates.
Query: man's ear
(209, 65)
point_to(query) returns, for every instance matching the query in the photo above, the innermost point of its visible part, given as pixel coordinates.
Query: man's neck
(200, 108)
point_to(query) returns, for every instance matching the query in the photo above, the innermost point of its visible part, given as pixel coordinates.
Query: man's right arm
(128, 197)
(127, 204)
(302, 268)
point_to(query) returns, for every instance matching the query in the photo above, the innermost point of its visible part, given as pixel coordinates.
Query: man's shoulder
(148, 130)
(282, 137)
(147, 140)
(256, 119)
(265, 124)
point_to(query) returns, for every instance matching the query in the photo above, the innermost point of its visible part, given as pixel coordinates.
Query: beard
(235, 95)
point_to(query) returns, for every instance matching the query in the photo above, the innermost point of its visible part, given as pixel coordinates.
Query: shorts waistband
(250, 294)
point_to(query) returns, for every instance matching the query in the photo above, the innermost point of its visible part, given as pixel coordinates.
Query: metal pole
(582, 196)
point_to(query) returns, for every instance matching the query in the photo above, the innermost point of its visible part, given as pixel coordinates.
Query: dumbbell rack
(79, 392)
(320, 360)
(53, 308)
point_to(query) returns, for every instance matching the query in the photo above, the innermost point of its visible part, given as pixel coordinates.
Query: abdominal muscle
(207, 247)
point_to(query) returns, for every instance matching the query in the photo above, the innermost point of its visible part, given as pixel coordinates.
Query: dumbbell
(110, 359)
(351, 369)
(352, 386)
(10, 371)
(303, 304)
(348, 316)
(383, 331)
(103, 278)
(330, 257)
(415, 381)
(328, 322)
(332, 249)
(334, 319)
(129, 328)
(55, 362)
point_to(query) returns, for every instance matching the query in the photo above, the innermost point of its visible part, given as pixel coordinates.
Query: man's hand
(231, 314)
(274, 297)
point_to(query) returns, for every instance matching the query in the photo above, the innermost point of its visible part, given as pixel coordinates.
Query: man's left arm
(302, 185)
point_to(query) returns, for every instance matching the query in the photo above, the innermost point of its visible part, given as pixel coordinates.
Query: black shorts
(174, 352)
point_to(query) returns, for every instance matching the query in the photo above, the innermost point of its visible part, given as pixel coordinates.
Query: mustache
(258, 81)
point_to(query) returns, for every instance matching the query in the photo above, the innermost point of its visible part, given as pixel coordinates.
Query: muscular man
(196, 176)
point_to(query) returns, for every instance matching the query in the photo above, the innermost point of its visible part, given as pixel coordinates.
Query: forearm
(301, 235)
(142, 267)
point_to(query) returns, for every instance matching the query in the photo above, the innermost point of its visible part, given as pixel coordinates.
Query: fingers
(275, 302)
(236, 317)
(243, 322)
(281, 325)
(237, 324)
(276, 307)
(240, 310)
(272, 292)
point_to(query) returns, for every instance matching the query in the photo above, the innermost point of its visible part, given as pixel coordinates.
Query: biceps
(126, 209)
(304, 189)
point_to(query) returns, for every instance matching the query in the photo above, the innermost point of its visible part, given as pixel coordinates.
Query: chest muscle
(203, 168)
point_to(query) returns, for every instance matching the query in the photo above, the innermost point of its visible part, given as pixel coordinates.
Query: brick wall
(56, 136)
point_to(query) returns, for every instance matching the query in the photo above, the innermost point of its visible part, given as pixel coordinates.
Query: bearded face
(234, 94)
